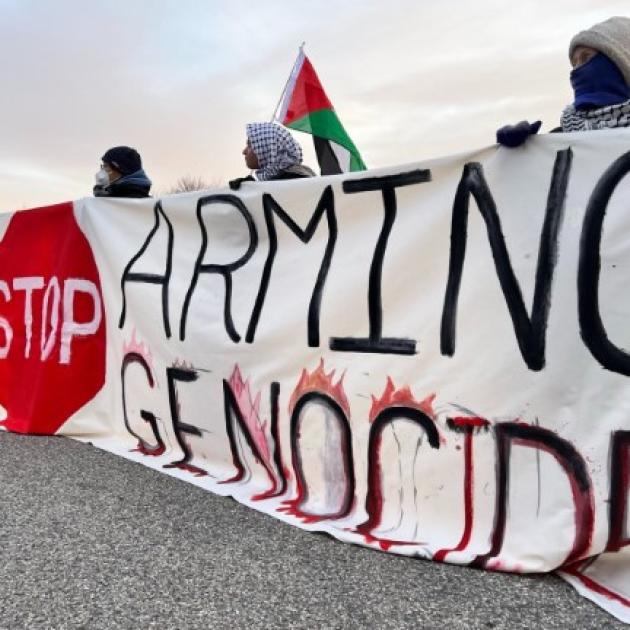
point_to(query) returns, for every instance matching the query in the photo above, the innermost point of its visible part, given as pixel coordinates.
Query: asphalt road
(91, 540)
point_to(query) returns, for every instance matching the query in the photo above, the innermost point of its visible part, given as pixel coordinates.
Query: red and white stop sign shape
(52, 321)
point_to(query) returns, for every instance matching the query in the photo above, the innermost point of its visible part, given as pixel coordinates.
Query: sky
(179, 79)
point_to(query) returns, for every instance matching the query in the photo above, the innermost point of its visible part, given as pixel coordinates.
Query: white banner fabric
(428, 359)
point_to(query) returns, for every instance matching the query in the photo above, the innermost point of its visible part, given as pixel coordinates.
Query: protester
(600, 78)
(121, 174)
(272, 153)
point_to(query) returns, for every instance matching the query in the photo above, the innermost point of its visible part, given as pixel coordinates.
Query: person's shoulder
(100, 191)
(297, 171)
(235, 184)
(127, 189)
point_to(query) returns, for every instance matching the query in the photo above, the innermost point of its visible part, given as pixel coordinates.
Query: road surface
(91, 540)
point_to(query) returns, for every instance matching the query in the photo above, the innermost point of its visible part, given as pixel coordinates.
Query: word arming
(529, 329)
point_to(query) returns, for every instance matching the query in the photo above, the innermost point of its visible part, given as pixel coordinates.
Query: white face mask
(102, 178)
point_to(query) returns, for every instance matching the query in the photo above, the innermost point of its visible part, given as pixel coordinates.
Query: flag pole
(275, 111)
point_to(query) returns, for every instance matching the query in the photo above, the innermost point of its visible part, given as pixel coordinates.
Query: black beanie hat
(124, 159)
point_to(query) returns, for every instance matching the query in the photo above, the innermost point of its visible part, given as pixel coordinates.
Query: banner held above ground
(429, 360)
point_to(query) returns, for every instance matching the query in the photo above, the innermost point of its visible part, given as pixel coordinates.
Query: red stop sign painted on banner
(52, 323)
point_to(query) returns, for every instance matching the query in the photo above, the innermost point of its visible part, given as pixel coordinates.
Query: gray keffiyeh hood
(275, 148)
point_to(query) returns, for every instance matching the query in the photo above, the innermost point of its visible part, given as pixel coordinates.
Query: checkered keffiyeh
(274, 147)
(607, 117)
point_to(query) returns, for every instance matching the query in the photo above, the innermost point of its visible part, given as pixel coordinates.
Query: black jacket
(297, 171)
(134, 185)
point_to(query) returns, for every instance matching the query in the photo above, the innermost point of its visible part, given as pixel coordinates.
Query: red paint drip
(237, 477)
(272, 492)
(374, 499)
(468, 495)
(292, 507)
(584, 506)
(469, 421)
(197, 472)
(386, 543)
(240, 473)
(617, 537)
(374, 503)
(145, 450)
(596, 587)
(267, 494)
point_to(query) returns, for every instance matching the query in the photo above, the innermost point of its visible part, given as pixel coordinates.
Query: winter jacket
(297, 171)
(134, 185)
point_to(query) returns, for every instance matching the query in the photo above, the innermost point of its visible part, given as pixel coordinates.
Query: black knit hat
(124, 159)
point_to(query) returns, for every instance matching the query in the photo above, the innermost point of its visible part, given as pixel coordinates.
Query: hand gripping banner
(431, 360)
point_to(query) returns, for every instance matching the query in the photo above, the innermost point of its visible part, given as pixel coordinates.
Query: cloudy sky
(179, 79)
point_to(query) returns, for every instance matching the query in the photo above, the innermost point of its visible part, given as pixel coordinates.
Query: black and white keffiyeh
(602, 118)
(275, 148)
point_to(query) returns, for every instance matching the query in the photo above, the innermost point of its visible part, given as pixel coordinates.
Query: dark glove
(514, 135)
(235, 184)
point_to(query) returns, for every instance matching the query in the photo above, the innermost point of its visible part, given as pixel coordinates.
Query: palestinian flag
(305, 107)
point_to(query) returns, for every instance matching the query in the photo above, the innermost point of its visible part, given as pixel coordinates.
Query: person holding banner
(273, 153)
(600, 57)
(121, 175)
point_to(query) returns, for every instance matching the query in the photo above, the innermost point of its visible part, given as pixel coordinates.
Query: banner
(430, 359)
